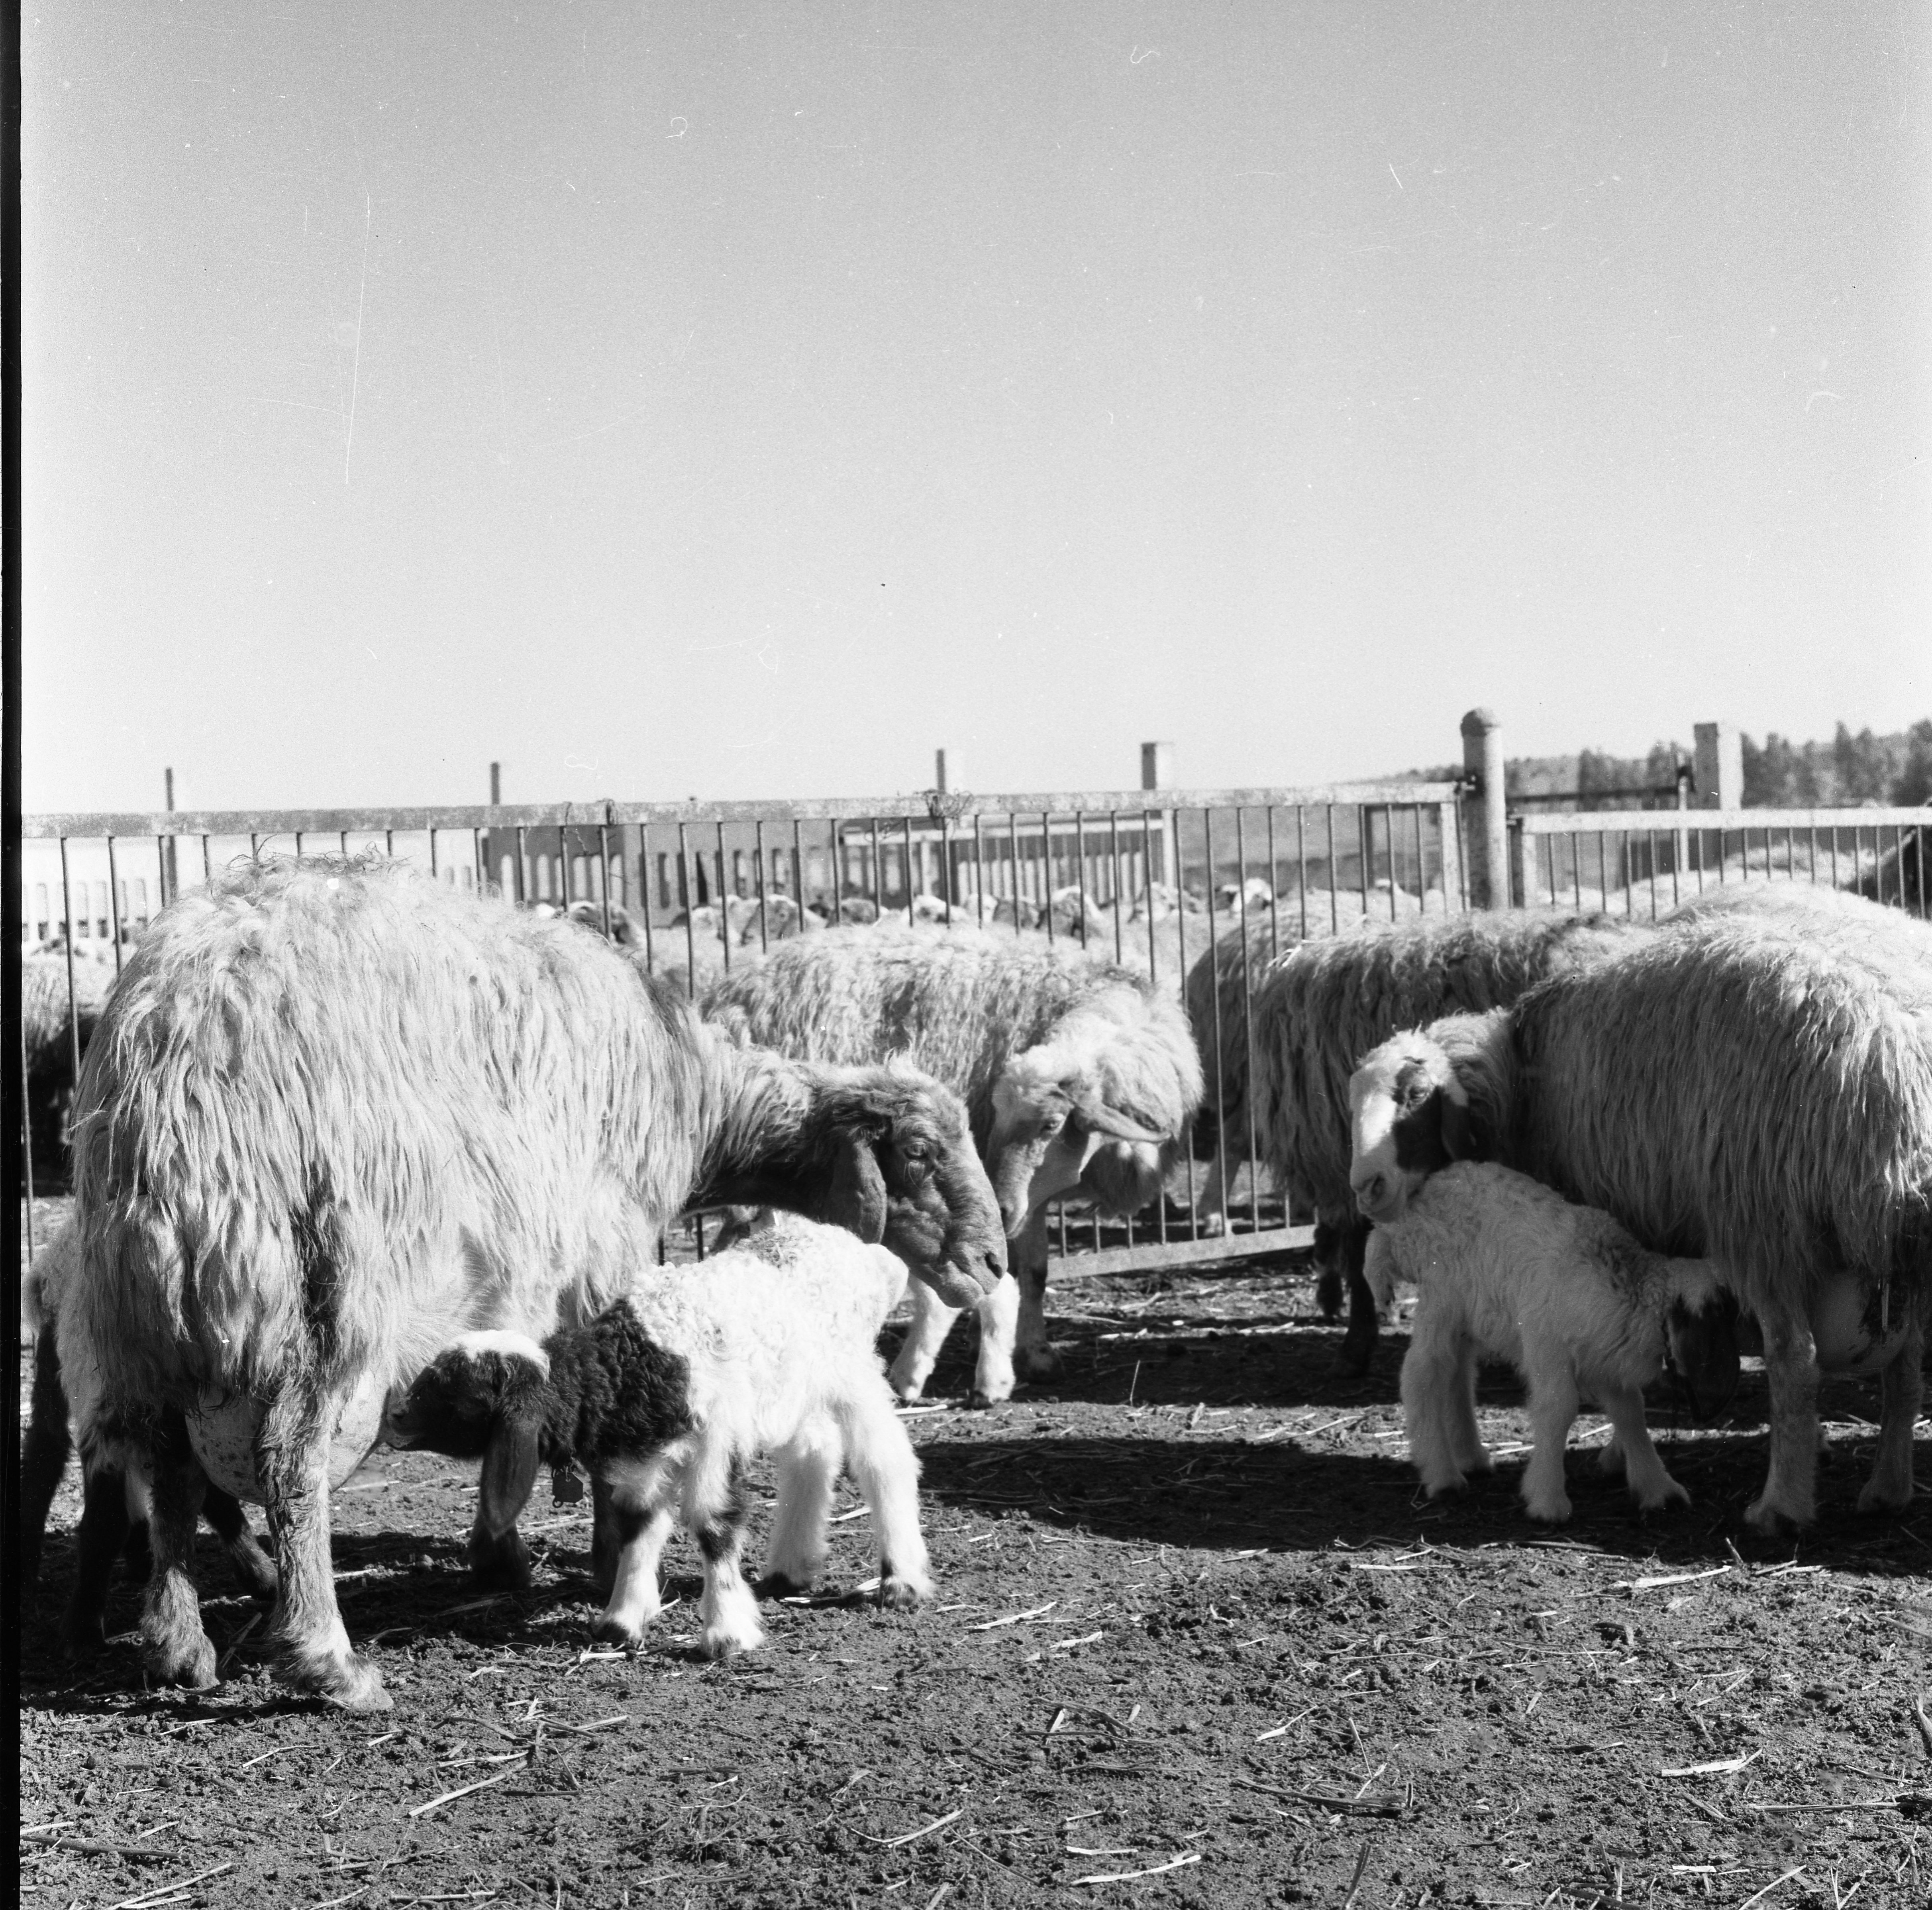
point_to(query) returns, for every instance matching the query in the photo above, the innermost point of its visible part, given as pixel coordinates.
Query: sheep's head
(1408, 1116)
(904, 1172)
(1701, 1323)
(460, 1402)
(1050, 1127)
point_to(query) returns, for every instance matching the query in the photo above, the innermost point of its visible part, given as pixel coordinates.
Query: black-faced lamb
(1507, 1268)
(337, 1115)
(665, 1396)
(1753, 1088)
(1075, 1074)
(1322, 1006)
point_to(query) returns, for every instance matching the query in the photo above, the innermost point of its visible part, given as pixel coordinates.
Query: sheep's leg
(254, 1567)
(642, 1502)
(885, 1471)
(932, 1320)
(1033, 1355)
(177, 1649)
(1552, 1412)
(104, 1521)
(603, 1534)
(1211, 1208)
(1465, 1431)
(1791, 1372)
(1431, 1375)
(291, 1461)
(1358, 1344)
(808, 1471)
(44, 1452)
(998, 1315)
(1650, 1483)
(1903, 1384)
(714, 1513)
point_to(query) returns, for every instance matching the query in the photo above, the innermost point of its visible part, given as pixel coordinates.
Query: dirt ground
(1193, 1621)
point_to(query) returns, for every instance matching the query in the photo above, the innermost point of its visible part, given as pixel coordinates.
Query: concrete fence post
(1157, 773)
(1488, 846)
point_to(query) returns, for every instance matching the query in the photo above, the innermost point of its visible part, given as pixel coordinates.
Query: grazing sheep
(666, 1395)
(336, 1116)
(1322, 1006)
(1508, 1268)
(115, 1501)
(1756, 1088)
(46, 1044)
(1075, 1073)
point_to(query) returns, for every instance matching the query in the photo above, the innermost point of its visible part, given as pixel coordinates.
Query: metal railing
(1156, 880)
(1636, 863)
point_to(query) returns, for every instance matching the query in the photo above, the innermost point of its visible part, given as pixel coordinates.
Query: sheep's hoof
(1358, 1349)
(1328, 1293)
(1040, 1362)
(1773, 1520)
(782, 1585)
(720, 1641)
(1549, 1512)
(614, 1631)
(186, 1661)
(1668, 1495)
(1442, 1488)
(349, 1684)
(1881, 1495)
(979, 1399)
(500, 1564)
(905, 1381)
(902, 1594)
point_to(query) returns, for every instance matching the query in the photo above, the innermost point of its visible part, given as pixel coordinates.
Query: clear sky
(738, 400)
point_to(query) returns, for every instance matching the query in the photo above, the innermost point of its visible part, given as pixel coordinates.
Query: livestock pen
(1143, 877)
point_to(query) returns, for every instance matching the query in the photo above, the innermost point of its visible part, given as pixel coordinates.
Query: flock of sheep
(358, 1157)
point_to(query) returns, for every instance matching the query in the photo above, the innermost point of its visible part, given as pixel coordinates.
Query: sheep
(623, 928)
(336, 1115)
(1323, 1005)
(664, 1397)
(1753, 1088)
(1508, 1268)
(1075, 1073)
(47, 1046)
(1236, 898)
(115, 1501)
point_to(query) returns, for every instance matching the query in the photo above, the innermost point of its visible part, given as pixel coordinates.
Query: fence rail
(1156, 879)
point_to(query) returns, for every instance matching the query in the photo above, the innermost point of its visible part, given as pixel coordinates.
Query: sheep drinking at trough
(1756, 1089)
(1508, 1268)
(1322, 1006)
(336, 1116)
(1075, 1073)
(665, 1396)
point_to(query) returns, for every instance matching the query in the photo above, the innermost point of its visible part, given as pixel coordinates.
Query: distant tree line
(1845, 772)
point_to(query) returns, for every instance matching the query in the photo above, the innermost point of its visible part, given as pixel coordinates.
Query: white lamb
(1506, 1266)
(766, 1347)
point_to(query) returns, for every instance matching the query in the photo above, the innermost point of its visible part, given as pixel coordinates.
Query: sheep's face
(907, 1176)
(1044, 1141)
(1408, 1116)
(456, 1405)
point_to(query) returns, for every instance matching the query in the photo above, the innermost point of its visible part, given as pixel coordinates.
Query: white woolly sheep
(336, 1115)
(1075, 1073)
(48, 1028)
(1756, 1088)
(1508, 1268)
(1235, 898)
(767, 1347)
(1322, 1006)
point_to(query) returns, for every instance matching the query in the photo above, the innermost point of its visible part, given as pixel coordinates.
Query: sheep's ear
(1463, 1139)
(857, 1198)
(509, 1471)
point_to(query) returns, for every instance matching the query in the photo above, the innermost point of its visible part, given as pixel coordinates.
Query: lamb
(48, 1027)
(1075, 1073)
(337, 1115)
(1322, 1006)
(667, 1394)
(1508, 1268)
(115, 1505)
(1753, 1088)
